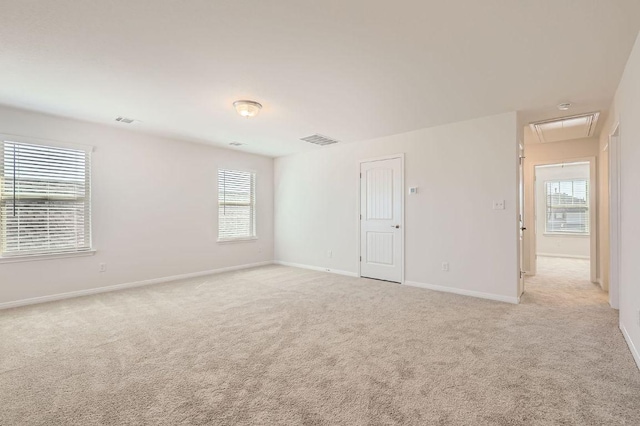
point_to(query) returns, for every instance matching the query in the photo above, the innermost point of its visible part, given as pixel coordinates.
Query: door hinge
(360, 217)
(360, 258)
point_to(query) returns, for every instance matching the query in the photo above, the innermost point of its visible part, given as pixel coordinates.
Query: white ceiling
(350, 70)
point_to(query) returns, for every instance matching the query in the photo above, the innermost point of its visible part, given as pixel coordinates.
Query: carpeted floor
(278, 345)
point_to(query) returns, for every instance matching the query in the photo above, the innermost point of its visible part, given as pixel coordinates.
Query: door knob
(395, 226)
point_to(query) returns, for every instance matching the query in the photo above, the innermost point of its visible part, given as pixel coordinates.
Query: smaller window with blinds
(567, 207)
(236, 205)
(45, 199)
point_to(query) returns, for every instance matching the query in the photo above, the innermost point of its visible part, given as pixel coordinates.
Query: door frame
(402, 233)
(614, 216)
(593, 227)
(521, 222)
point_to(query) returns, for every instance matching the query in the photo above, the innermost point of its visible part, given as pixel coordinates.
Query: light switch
(498, 205)
(413, 190)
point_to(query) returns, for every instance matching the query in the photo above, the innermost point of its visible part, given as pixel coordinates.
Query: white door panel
(381, 219)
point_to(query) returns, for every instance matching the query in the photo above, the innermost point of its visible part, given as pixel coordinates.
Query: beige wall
(459, 169)
(626, 110)
(154, 209)
(544, 153)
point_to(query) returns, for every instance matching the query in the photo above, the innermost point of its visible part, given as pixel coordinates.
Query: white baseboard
(315, 268)
(89, 291)
(497, 297)
(563, 256)
(632, 347)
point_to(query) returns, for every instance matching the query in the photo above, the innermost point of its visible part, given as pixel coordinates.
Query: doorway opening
(564, 235)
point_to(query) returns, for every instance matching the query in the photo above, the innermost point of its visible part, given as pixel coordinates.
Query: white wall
(574, 246)
(154, 209)
(626, 110)
(545, 153)
(459, 169)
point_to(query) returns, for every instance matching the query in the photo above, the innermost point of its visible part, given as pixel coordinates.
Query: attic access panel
(566, 128)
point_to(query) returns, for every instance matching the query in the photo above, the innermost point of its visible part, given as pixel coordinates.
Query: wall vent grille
(125, 120)
(319, 140)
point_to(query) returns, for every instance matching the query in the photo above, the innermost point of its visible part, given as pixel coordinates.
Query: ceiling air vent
(235, 144)
(125, 120)
(566, 128)
(319, 140)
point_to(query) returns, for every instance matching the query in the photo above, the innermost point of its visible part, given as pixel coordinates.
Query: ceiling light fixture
(247, 109)
(564, 106)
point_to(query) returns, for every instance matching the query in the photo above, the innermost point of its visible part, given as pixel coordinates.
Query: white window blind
(236, 204)
(567, 210)
(45, 202)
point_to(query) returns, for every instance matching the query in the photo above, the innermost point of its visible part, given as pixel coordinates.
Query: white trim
(497, 297)
(402, 201)
(315, 268)
(45, 142)
(632, 347)
(593, 194)
(47, 256)
(236, 240)
(615, 218)
(564, 256)
(567, 234)
(97, 290)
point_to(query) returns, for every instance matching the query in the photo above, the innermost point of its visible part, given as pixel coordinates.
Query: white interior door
(381, 213)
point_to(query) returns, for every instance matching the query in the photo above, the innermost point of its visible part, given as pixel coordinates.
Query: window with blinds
(236, 205)
(567, 209)
(45, 202)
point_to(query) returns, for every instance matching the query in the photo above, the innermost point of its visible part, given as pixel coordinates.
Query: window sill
(236, 240)
(34, 257)
(565, 234)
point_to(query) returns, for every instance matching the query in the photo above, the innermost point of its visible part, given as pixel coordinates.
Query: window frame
(25, 257)
(254, 218)
(548, 208)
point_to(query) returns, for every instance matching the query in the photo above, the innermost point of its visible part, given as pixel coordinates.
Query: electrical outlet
(445, 266)
(329, 254)
(102, 267)
(498, 205)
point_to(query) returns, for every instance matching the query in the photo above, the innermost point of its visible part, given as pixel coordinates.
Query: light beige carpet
(278, 345)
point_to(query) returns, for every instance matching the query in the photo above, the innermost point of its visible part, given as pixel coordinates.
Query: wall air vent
(319, 140)
(566, 128)
(125, 120)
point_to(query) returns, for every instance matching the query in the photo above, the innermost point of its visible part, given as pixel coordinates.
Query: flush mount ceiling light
(247, 109)
(564, 106)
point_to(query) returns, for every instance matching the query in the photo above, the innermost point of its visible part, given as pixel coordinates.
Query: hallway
(564, 282)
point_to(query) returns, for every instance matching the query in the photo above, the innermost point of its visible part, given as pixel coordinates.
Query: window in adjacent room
(236, 205)
(567, 206)
(45, 199)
